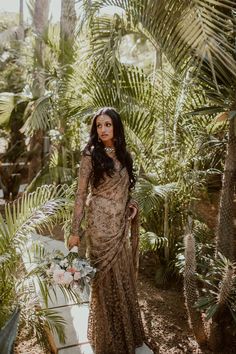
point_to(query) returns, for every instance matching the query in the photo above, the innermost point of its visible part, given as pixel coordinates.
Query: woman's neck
(108, 144)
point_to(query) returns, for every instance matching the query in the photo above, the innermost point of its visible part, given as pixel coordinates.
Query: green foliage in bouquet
(70, 271)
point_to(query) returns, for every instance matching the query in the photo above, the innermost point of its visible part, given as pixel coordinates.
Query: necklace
(109, 149)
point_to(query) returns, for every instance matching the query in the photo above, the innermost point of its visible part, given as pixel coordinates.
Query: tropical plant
(45, 111)
(197, 38)
(168, 155)
(45, 207)
(168, 115)
(12, 78)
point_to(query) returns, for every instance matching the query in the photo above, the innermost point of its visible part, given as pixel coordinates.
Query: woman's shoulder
(85, 159)
(87, 151)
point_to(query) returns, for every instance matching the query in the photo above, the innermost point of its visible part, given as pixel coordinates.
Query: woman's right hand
(73, 241)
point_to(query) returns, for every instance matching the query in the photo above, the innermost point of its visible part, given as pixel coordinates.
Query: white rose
(77, 276)
(68, 278)
(74, 249)
(58, 276)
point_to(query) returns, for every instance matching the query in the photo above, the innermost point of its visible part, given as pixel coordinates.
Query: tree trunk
(67, 33)
(66, 59)
(16, 32)
(13, 172)
(166, 229)
(67, 38)
(191, 292)
(40, 22)
(21, 20)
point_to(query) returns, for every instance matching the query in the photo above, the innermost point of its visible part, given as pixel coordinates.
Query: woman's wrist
(73, 240)
(133, 203)
(75, 235)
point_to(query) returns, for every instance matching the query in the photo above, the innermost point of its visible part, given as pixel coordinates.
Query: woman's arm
(134, 234)
(84, 174)
(134, 207)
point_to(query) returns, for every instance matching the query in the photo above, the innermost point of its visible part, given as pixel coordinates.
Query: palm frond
(189, 33)
(135, 100)
(151, 241)
(8, 102)
(49, 175)
(55, 323)
(150, 195)
(39, 115)
(220, 287)
(31, 212)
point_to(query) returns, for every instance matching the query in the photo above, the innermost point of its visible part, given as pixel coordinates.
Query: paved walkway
(76, 315)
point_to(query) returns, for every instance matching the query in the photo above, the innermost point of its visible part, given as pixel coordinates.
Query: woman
(115, 325)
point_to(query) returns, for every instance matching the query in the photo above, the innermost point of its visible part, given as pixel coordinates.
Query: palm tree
(45, 109)
(196, 37)
(164, 153)
(40, 23)
(14, 32)
(197, 40)
(67, 32)
(21, 18)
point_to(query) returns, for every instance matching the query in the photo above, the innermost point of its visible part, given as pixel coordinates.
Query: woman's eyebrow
(107, 121)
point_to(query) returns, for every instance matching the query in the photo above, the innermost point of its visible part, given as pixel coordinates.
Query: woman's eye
(99, 126)
(108, 124)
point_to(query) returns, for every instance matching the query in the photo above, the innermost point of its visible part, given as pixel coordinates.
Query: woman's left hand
(133, 211)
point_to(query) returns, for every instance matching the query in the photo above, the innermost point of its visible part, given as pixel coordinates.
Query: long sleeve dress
(115, 325)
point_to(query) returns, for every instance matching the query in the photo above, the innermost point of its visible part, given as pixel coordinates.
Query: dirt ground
(27, 345)
(164, 316)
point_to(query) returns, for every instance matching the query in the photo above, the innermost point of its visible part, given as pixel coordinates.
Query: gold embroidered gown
(115, 325)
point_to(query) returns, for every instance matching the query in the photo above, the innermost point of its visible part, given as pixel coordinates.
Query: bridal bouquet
(70, 271)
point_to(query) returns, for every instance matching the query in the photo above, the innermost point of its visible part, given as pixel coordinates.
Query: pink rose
(71, 270)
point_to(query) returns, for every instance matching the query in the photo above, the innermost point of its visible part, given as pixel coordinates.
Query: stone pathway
(76, 315)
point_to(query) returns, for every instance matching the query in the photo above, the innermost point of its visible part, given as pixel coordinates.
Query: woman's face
(105, 129)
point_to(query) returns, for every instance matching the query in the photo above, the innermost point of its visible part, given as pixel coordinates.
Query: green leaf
(211, 311)
(38, 114)
(206, 110)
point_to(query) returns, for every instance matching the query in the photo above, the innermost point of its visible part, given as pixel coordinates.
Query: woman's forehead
(103, 118)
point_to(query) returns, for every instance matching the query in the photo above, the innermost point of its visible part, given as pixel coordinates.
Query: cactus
(225, 241)
(226, 286)
(225, 230)
(191, 292)
(221, 317)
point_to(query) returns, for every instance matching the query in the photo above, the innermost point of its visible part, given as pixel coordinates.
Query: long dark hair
(101, 162)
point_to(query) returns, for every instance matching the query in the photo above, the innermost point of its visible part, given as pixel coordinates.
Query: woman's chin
(106, 141)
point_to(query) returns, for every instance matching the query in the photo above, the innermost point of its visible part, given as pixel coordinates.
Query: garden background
(169, 68)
